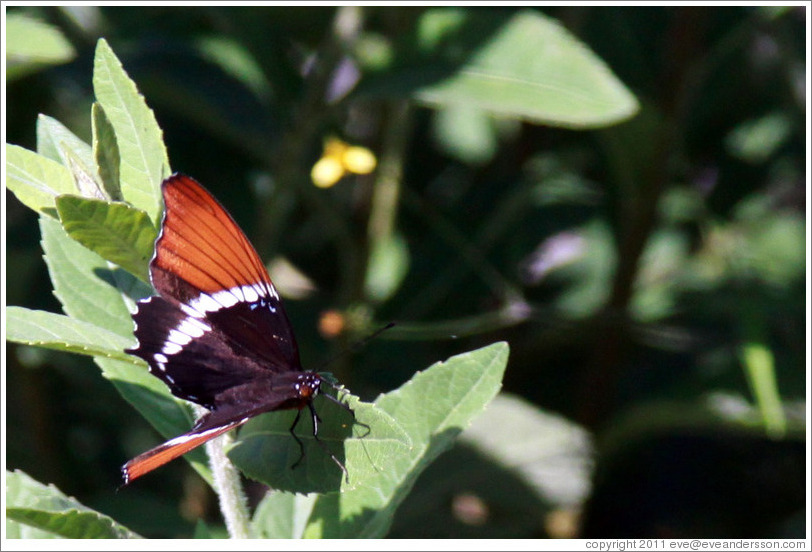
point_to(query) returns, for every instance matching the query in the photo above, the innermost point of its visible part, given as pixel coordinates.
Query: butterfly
(217, 333)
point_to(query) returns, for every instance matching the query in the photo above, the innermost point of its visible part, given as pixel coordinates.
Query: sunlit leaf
(62, 333)
(36, 180)
(144, 162)
(46, 508)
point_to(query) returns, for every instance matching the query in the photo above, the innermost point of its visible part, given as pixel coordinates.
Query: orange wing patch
(202, 242)
(160, 455)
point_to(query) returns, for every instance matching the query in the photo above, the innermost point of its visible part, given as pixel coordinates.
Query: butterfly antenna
(357, 345)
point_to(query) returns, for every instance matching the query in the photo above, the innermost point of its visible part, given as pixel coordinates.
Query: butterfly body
(217, 333)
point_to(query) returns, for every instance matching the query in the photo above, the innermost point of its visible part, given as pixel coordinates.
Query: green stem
(511, 314)
(759, 369)
(386, 189)
(386, 193)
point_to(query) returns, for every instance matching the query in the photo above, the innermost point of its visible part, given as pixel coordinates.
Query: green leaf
(433, 408)
(466, 133)
(105, 152)
(527, 66)
(756, 140)
(88, 287)
(282, 515)
(86, 181)
(56, 331)
(32, 45)
(388, 265)
(117, 232)
(36, 180)
(266, 451)
(458, 389)
(46, 508)
(202, 530)
(144, 162)
(54, 138)
(17, 530)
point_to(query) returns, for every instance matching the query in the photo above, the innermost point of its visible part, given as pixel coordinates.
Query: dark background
(687, 246)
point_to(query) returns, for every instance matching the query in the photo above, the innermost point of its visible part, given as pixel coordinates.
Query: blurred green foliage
(648, 273)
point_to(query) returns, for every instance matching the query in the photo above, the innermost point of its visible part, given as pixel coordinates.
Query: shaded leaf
(202, 530)
(527, 66)
(388, 265)
(756, 140)
(433, 407)
(553, 454)
(466, 132)
(266, 451)
(105, 152)
(234, 59)
(282, 515)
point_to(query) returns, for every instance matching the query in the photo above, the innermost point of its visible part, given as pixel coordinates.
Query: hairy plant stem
(228, 487)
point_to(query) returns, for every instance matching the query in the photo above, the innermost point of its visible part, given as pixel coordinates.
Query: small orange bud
(331, 324)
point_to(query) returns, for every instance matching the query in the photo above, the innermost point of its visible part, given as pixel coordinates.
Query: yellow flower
(326, 172)
(359, 160)
(338, 159)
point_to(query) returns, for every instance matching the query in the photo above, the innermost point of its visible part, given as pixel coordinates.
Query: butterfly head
(308, 385)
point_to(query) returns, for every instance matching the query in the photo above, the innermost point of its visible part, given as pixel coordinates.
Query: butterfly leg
(316, 421)
(299, 441)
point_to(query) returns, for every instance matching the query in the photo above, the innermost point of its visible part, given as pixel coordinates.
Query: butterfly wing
(180, 445)
(218, 321)
(204, 260)
(191, 355)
